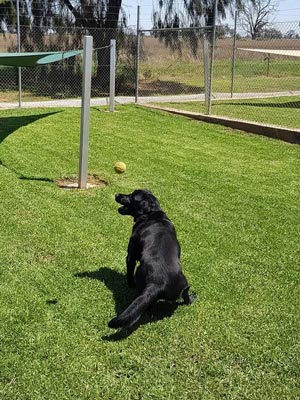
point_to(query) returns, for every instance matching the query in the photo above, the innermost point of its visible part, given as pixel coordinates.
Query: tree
(190, 13)
(292, 34)
(193, 13)
(255, 14)
(99, 18)
(272, 33)
(223, 31)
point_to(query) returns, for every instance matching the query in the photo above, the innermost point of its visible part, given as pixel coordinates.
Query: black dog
(154, 244)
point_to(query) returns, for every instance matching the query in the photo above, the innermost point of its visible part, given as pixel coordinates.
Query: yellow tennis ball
(120, 167)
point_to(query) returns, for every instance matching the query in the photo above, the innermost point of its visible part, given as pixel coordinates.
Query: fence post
(85, 111)
(137, 57)
(206, 68)
(19, 50)
(112, 75)
(212, 56)
(233, 54)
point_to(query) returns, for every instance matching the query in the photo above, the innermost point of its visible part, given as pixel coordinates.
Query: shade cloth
(33, 59)
(291, 53)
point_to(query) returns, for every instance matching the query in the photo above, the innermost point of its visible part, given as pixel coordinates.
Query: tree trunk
(102, 30)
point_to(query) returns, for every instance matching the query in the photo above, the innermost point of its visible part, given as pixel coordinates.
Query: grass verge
(283, 111)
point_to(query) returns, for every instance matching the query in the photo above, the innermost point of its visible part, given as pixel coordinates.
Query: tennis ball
(120, 167)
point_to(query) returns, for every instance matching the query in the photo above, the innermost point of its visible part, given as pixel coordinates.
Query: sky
(287, 11)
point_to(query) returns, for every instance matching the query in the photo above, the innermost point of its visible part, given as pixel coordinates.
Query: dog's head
(138, 203)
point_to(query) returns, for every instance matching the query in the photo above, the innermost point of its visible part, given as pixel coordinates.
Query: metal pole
(212, 56)
(85, 111)
(206, 68)
(19, 50)
(233, 54)
(112, 75)
(137, 59)
(268, 65)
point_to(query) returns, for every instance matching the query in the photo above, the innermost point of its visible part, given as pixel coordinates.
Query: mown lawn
(283, 111)
(234, 199)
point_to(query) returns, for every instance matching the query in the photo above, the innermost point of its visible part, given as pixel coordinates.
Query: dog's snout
(122, 198)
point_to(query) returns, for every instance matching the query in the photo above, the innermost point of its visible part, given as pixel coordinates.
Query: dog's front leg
(131, 263)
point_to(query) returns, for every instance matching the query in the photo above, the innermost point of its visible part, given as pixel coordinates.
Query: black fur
(154, 244)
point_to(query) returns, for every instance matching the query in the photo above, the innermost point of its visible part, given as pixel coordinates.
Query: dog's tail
(134, 311)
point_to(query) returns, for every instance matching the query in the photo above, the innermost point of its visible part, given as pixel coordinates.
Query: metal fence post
(112, 75)
(206, 68)
(137, 57)
(233, 54)
(19, 50)
(85, 111)
(212, 56)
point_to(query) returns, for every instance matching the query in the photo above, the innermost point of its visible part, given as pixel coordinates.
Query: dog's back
(160, 254)
(154, 244)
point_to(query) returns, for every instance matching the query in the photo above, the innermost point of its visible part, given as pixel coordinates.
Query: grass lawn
(283, 111)
(250, 76)
(234, 199)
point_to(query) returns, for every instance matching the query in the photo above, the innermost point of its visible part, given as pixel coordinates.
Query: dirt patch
(71, 182)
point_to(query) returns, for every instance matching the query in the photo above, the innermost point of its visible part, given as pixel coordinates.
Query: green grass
(283, 111)
(250, 75)
(180, 76)
(234, 199)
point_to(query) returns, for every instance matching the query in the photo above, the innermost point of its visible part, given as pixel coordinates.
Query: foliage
(39, 18)
(271, 33)
(194, 14)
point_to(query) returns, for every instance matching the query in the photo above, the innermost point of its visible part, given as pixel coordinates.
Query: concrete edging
(276, 132)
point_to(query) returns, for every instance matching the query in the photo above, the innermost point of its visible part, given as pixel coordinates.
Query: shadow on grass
(33, 178)
(9, 125)
(159, 87)
(123, 296)
(27, 178)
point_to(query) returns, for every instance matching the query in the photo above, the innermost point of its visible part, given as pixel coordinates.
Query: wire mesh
(171, 62)
(63, 80)
(249, 85)
(256, 86)
(265, 83)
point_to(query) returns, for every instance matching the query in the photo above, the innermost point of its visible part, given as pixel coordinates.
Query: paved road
(152, 99)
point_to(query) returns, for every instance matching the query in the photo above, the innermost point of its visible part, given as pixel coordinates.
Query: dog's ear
(148, 206)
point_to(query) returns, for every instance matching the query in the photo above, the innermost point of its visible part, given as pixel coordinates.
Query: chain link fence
(248, 79)
(63, 80)
(251, 79)
(171, 62)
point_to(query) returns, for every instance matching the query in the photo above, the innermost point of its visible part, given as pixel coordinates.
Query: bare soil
(72, 182)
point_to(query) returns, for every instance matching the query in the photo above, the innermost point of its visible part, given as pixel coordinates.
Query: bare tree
(255, 15)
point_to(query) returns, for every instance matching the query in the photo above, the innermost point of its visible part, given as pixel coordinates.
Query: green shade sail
(33, 59)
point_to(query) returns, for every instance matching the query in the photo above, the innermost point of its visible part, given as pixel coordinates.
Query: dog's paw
(189, 298)
(192, 297)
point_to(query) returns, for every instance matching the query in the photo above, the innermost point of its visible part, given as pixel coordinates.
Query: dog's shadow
(123, 296)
